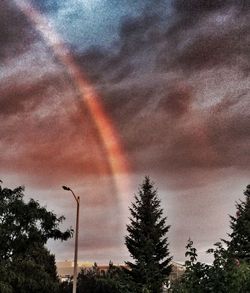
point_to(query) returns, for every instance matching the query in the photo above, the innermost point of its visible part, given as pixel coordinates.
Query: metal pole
(76, 244)
(76, 237)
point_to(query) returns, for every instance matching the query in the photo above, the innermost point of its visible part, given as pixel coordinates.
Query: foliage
(95, 280)
(240, 279)
(147, 241)
(239, 243)
(230, 271)
(66, 286)
(25, 263)
(223, 276)
(192, 279)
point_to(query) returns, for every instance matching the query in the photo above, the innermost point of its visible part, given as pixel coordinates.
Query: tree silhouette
(239, 243)
(147, 241)
(25, 227)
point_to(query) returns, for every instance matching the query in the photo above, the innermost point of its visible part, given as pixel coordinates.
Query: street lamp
(76, 236)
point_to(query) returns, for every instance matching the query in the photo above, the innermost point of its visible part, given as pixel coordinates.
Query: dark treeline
(26, 265)
(230, 270)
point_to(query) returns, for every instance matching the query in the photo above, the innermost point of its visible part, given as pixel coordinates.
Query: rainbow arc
(108, 134)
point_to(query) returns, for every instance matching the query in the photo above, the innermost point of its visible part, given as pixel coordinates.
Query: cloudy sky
(173, 77)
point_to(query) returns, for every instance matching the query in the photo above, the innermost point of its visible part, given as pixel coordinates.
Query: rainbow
(110, 139)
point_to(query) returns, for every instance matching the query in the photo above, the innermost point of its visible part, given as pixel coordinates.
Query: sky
(173, 81)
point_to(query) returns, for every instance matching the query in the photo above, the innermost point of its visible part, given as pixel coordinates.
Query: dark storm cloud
(229, 130)
(197, 7)
(177, 101)
(216, 33)
(42, 127)
(16, 33)
(151, 84)
(24, 98)
(199, 34)
(47, 5)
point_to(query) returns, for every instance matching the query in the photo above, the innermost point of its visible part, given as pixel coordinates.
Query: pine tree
(239, 244)
(147, 241)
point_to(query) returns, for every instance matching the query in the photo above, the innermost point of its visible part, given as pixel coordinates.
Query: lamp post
(76, 237)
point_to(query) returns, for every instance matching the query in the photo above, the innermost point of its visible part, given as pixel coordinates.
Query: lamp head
(65, 187)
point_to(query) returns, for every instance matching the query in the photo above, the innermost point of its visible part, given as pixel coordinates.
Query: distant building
(65, 269)
(177, 271)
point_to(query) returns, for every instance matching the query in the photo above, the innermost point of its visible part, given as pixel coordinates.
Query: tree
(192, 280)
(26, 265)
(230, 270)
(147, 241)
(95, 280)
(239, 242)
(223, 276)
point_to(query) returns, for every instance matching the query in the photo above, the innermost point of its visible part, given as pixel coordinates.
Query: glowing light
(110, 139)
